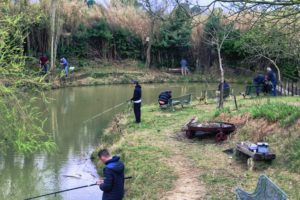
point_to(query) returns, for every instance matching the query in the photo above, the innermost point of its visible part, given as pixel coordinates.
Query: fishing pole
(66, 190)
(98, 115)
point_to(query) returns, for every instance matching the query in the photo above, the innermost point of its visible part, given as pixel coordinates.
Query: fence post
(292, 88)
(235, 102)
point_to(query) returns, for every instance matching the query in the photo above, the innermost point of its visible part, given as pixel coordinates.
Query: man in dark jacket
(164, 97)
(44, 63)
(258, 83)
(271, 76)
(137, 101)
(113, 183)
(226, 89)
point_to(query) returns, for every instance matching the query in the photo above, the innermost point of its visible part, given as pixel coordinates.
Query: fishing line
(98, 115)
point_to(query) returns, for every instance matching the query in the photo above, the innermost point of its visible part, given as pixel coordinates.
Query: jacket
(137, 94)
(165, 96)
(113, 185)
(225, 86)
(259, 79)
(272, 77)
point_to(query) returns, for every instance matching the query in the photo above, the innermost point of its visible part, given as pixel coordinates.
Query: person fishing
(44, 63)
(258, 83)
(65, 64)
(164, 97)
(137, 101)
(226, 89)
(113, 183)
(271, 77)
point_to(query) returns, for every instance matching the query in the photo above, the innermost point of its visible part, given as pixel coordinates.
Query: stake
(61, 191)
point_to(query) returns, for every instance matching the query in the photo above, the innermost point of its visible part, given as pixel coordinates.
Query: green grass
(293, 156)
(277, 112)
(145, 149)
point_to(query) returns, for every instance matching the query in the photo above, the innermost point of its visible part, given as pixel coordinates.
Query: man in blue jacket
(65, 64)
(271, 76)
(137, 101)
(113, 183)
(258, 83)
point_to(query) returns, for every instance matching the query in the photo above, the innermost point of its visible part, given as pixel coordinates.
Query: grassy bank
(104, 73)
(153, 150)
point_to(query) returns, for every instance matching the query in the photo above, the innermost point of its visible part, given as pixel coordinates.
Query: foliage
(21, 124)
(267, 43)
(283, 113)
(174, 37)
(101, 39)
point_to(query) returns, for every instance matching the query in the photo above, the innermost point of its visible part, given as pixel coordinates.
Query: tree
(216, 33)
(155, 10)
(175, 33)
(268, 42)
(21, 124)
(55, 32)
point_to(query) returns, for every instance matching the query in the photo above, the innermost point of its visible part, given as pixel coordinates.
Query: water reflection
(25, 176)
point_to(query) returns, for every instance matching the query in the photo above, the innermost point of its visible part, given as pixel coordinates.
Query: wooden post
(285, 89)
(292, 88)
(281, 85)
(235, 102)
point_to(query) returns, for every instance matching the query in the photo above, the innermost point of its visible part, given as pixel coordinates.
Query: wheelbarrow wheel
(221, 137)
(189, 134)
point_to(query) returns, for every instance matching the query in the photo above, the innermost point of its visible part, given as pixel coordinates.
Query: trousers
(137, 112)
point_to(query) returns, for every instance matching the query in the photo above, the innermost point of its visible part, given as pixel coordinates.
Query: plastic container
(263, 148)
(252, 147)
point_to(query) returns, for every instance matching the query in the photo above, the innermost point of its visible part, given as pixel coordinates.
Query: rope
(98, 115)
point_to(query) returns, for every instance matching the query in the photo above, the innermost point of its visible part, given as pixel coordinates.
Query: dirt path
(187, 186)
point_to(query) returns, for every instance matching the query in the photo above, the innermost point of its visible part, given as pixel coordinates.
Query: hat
(135, 82)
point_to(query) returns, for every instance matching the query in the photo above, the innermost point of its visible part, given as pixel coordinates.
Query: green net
(265, 190)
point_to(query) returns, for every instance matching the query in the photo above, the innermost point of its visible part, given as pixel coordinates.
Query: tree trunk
(28, 44)
(148, 54)
(221, 102)
(52, 35)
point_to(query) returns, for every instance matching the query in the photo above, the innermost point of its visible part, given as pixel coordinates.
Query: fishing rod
(98, 115)
(66, 190)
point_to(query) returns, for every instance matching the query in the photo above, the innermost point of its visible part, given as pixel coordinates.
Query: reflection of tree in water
(22, 177)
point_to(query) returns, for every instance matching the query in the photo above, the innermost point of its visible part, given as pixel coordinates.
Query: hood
(115, 165)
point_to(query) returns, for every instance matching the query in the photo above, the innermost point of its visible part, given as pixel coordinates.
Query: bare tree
(216, 33)
(55, 32)
(155, 10)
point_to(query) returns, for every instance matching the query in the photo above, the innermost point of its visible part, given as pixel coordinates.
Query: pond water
(25, 176)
